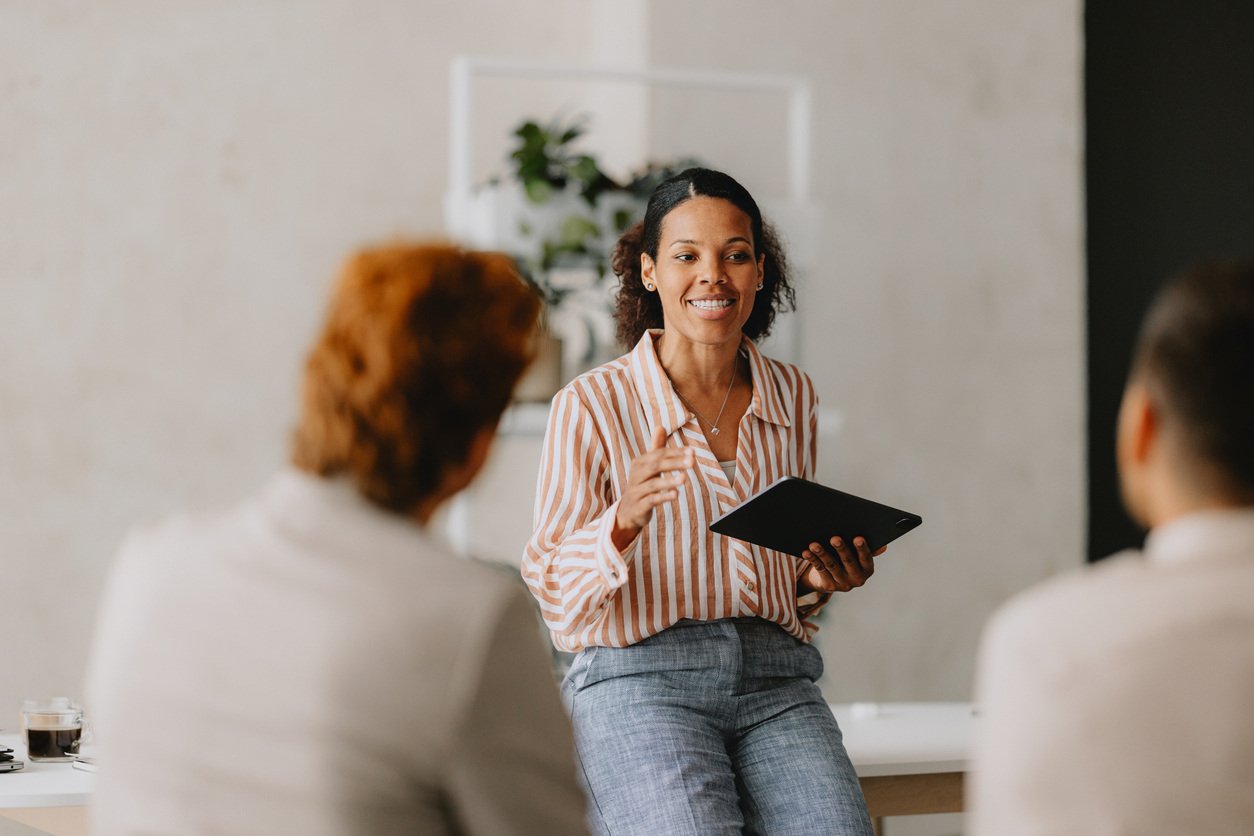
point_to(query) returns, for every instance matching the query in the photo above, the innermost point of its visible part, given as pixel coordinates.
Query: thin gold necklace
(713, 424)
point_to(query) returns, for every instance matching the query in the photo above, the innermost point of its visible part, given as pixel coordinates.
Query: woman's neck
(697, 367)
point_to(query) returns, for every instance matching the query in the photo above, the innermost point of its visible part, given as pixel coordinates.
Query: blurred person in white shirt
(1120, 699)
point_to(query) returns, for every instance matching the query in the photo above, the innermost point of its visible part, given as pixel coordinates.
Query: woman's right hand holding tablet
(848, 568)
(653, 479)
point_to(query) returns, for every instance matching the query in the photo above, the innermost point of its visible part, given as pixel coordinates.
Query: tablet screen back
(792, 513)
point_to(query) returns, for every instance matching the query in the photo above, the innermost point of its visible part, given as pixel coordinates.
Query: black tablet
(792, 513)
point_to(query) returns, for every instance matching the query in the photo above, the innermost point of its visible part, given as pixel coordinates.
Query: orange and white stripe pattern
(589, 593)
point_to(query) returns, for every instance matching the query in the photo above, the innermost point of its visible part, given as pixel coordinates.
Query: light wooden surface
(58, 821)
(911, 758)
(911, 795)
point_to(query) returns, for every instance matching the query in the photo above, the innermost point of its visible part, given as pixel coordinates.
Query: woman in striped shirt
(693, 694)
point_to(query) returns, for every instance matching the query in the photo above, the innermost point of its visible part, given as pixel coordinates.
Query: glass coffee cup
(52, 729)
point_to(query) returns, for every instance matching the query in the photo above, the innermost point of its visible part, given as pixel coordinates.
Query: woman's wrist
(621, 536)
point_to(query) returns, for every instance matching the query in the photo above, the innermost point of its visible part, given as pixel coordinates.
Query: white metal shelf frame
(464, 70)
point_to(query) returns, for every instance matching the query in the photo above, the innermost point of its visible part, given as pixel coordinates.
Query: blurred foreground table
(911, 757)
(50, 797)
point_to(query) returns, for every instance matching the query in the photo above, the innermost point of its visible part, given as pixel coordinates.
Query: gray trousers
(711, 728)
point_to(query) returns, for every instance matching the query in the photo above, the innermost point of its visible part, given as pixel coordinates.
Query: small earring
(760, 285)
(648, 286)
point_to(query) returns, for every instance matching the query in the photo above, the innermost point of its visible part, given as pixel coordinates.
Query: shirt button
(751, 586)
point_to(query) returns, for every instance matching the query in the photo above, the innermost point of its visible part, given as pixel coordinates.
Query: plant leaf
(529, 132)
(622, 219)
(576, 229)
(538, 190)
(584, 169)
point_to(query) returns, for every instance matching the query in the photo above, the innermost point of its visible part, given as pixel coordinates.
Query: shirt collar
(1215, 533)
(332, 511)
(667, 410)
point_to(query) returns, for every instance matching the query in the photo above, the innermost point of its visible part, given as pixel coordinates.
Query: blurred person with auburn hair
(311, 660)
(1119, 699)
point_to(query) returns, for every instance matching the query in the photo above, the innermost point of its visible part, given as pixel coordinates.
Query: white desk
(51, 797)
(911, 758)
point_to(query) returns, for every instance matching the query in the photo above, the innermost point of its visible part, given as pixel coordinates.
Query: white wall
(180, 183)
(943, 314)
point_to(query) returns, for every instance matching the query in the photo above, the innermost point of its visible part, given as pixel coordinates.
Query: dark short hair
(637, 310)
(420, 351)
(1196, 357)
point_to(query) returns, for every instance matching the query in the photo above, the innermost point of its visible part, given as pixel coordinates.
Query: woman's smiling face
(707, 272)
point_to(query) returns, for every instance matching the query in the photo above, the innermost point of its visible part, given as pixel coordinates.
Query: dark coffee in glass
(52, 744)
(52, 729)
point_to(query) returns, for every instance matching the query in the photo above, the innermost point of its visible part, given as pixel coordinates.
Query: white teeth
(711, 304)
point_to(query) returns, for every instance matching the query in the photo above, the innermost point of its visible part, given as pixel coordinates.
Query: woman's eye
(738, 256)
(685, 257)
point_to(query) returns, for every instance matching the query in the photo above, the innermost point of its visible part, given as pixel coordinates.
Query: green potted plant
(561, 227)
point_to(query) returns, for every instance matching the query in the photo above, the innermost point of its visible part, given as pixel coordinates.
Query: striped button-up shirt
(590, 594)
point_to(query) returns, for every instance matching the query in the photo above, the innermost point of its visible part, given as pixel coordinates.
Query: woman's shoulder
(789, 378)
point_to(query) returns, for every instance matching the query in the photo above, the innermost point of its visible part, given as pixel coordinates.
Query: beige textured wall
(942, 315)
(180, 181)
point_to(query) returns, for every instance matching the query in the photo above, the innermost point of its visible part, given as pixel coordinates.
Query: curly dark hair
(637, 310)
(420, 351)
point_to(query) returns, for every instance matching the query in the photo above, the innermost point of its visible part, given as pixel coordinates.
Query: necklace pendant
(713, 430)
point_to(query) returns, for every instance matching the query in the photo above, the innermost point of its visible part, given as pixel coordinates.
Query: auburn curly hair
(637, 309)
(421, 349)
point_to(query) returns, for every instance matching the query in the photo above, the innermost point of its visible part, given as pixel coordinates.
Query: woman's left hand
(839, 567)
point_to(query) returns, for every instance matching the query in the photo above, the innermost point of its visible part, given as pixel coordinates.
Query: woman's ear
(647, 271)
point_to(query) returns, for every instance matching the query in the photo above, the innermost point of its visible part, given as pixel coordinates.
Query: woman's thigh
(794, 776)
(652, 747)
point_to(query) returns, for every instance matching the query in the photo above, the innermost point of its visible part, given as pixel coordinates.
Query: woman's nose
(713, 273)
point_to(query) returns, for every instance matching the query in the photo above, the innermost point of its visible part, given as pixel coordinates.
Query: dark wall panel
(1169, 101)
